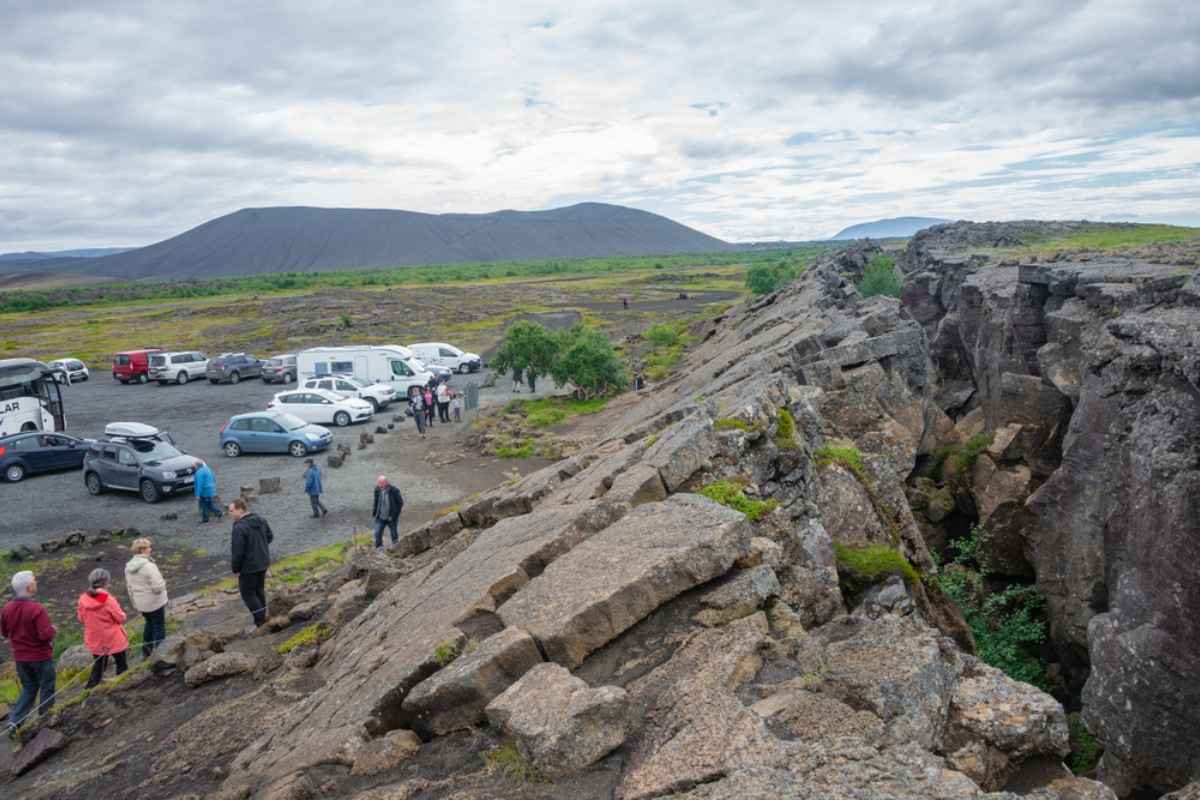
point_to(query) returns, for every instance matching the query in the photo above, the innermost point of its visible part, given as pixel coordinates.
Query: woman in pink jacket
(103, 626)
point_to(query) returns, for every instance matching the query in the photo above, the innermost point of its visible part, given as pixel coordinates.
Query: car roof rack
(131, 430)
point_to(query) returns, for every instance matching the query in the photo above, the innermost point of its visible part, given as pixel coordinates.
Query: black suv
(233, 367)
(150, 465)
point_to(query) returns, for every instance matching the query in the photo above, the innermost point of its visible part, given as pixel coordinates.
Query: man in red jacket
(26, 625)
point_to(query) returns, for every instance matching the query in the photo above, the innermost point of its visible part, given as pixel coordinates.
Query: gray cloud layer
(124, 123)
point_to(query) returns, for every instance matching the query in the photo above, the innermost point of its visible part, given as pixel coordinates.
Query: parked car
(442, 374)
(179, 367)
(73, 368)
(447, 355)
(377, 394)
(133, 457)
(133, 365)
(233, 367)
(30, 453)
(281, 368)
(272, 432)
(321, 406)
(384, 363)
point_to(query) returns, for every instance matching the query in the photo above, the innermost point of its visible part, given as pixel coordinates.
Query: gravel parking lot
(46, 506)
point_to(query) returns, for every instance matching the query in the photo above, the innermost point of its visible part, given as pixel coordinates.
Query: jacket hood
(136, 563)
(97, 600)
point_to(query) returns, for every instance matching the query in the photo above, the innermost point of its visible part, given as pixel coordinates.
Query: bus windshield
(26, 378)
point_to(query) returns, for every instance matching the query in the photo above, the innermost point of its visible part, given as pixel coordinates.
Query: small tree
(528, 347)
(880, 277)
(586, 358)
(766, 278)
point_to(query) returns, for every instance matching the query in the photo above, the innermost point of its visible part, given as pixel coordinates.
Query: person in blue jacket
(313, 488)
(206, 490)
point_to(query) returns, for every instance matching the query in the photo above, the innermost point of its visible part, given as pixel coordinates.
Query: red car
(133, 365)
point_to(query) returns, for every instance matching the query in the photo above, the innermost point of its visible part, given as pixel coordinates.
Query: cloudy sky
(748, 120)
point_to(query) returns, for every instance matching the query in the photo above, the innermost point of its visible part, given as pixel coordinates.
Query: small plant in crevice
(309, 634)
(785, 431)
(850, 458)
(730, 494)
(445, 653)
(864, 566)
(510, 762)
(1086, 749)
(736, 424)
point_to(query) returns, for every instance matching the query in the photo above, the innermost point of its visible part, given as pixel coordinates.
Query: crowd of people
(436, 401)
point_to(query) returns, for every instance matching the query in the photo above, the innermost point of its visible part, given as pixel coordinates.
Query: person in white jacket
(148, 593)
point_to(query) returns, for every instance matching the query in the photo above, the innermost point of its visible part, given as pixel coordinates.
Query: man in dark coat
(386, 509)
(250, 556)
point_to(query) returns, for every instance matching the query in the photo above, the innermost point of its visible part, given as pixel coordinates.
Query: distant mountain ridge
(885, 228)
(50, 255)
(304, 239)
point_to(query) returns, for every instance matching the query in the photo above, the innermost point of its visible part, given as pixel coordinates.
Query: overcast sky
(747, 120)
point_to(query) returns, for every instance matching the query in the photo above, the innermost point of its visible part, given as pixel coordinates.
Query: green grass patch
(547, 412)
(847, 456)
(300, 567)
(446, 652)
(514, 448)
(873, 563)
(665, 334)
(785, 431)
(736, 424)
(1109, 237)
(309, 634)
(1085, 748)
(961, 458)
(510, 762)
(730, 494)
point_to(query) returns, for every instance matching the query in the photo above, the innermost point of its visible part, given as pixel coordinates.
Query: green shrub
(514, 448)
(848, 456)
(512, 764)
(736, 423)
(1085, 748)
(730, 494)
(767, 278)
(664, 334)
(880, 277)
(870, 564)
(309, 634)
(785, 431)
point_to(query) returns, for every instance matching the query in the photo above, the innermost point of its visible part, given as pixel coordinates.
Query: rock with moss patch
(221, 665)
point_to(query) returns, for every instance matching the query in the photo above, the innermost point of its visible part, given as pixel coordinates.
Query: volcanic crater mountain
(305, 239)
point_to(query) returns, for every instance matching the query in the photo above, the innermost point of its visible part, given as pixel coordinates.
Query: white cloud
(786, 120)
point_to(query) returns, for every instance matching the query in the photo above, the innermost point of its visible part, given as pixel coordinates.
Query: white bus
(385, 363)
(30, 397)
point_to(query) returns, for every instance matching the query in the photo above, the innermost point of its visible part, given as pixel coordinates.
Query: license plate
(189, 479)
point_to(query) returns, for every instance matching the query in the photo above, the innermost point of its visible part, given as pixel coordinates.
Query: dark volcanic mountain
(256, 240)
(885, 228)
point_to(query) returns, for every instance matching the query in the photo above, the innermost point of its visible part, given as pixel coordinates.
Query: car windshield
(291, 422)
(273, 362)
(153, 449)
(158, 361)
(359, 382)
(418, 365)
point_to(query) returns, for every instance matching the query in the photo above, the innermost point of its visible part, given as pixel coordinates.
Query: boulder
(305, 611)
(348, 602)
(1189, 792)
(809, 576)
(612, 580)
(455, 696)
(169, 654)
(335, 460)
(388, 752)
(75, 539)
(682, 450)
(46, 743)
(270, 485)
(75, 657)
(221, 665)
(999, 496)
(762, 551)
(738, 596)
(429, 535)
(560, 724)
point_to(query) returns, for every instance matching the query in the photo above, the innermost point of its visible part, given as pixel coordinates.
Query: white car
(321, 406)
(180, 367)
(377, 394)
(447, 355)
(74, 369)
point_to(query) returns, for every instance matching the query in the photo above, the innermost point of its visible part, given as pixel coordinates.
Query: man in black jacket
(386, 510)
(250, 556)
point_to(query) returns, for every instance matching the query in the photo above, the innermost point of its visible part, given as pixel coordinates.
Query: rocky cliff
(733, 594)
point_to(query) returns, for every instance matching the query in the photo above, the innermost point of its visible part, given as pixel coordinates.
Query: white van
(385, 363)
(447, 355)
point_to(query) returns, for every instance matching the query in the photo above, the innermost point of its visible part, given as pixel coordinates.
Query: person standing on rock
(250, 557)
(148, 594)
(103, 623)
(386, 511)
(26, 625)
(206, 490)
(313, 488)
(443, 401)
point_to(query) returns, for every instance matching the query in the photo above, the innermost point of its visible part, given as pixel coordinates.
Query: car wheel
(341, 419)
(298, 449)
(181, 378)
(234, 377)
(14, 473)
(374, 405)
(213, 381)
(288, 377)
(232, 449)
(143, 378)
(27, 427)
(149, 492)
(93, 483)
(163, 383)
(464, 368)
(124, 382)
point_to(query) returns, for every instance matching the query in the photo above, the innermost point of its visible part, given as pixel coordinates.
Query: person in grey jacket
(148, 594)
(249, 557)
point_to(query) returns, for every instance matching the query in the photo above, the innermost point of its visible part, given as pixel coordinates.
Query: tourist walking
(443, 401)
(250, 557)
(456, 404)
(313, 488)
(206, 490)
(26, 625)
(147, 594)
(416, 403)
(429, 406)
(386, 509)
(103, 623)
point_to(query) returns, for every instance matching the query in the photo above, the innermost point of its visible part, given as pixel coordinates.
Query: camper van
(385, 363)
(447, 355)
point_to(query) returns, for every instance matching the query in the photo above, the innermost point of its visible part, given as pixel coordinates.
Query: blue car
(272, 432)
(27, 453)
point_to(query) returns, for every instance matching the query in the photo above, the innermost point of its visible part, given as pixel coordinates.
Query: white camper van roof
(393, 349)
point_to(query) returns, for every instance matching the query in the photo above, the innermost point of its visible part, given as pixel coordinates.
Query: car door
(253, 366)
(345, 387)
(58, 451)
(323, 409)
(324, 383)
(30, 451)
(271, 436)
(297, 403)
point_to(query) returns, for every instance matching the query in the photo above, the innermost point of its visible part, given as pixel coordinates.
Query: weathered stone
(290, 787)
(75, 657)
(739, 596)
(999, 497)
(888, 597)
(305, 611)
(637, 485)
(612, 580)
(386, 753)
(335, 460)
(348, 603)
(270, 485)
(560, 724)
(1189, 792)
(455, 696)
(939, 504)
(762, 551)
(682, 450)
(429, 535)
(220, 665)
(809, 576)
(46, 743)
